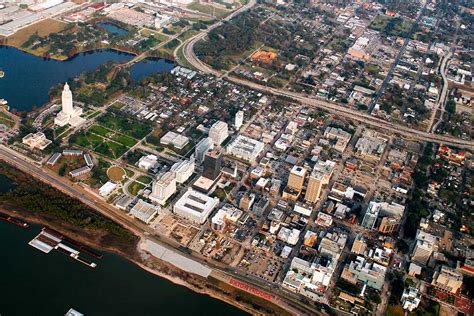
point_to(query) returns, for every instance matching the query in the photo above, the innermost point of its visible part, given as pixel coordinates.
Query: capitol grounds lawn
(122, 124)
(134, 187)
(112, 135)
(144, 179)
(42, 28)
(98, 144)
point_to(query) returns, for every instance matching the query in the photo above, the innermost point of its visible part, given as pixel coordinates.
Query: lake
(112, 28)
(28, 78)
(149, 66)
(34, 283)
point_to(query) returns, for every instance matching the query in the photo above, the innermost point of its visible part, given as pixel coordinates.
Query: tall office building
(239, 119)
(163, 188)
(212, 164)
(295, 183)
(202, 148)
(424, 247)
(296, 178)
(218, 132)
(318, 180)
(246, 201)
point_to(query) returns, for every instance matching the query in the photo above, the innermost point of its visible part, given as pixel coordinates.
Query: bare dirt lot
(42, 28)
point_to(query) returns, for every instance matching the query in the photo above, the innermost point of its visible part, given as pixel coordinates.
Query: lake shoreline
(153, 265)
(87, 51)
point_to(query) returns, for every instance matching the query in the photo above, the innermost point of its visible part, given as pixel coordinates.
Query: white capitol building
(69, 114)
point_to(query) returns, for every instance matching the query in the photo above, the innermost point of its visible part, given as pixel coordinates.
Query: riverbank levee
(175, 258)
(53, 283)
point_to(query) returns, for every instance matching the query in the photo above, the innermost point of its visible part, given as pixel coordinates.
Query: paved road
(159, 45)
(397, 59)
(331, 107)
(442, 99)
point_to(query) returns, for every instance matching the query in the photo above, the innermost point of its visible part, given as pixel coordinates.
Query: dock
(49, 239)
(73, 312)
(14, 221)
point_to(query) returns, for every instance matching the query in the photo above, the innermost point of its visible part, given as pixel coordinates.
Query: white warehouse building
(195, 206)
(245, 148)
(144, 211)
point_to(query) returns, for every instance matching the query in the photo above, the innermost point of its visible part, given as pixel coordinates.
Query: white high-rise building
(239, 119)
(163, 188)
(183, 169)
(66, 98)
(218, 132)
(202, 148)
(69, 113)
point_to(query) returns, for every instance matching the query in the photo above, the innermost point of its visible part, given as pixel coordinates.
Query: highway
(284, 299)
(145, 54)
(331, 107)
(440, 105)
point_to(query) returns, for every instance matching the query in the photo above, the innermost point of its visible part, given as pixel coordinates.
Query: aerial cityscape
(235, 157)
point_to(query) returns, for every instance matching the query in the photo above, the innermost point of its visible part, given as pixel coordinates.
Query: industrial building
(107, 188)
(447, 279)
(80, 172)
(144, 211)
(370, 273)
(227, 213)
(178, 141)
